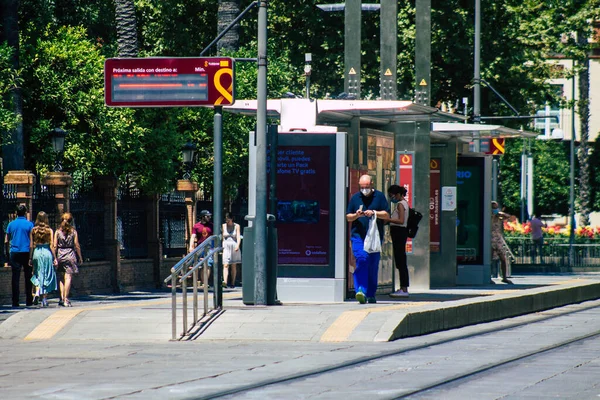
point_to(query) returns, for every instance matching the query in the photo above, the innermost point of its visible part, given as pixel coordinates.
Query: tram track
(400, 394)
(491, 366)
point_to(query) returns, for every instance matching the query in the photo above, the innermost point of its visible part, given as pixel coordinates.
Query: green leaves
(9, 81)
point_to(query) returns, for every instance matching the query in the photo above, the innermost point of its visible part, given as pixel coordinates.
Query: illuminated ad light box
(169, 82)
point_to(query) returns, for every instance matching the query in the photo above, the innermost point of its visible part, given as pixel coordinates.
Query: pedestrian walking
(43, 257)
(537, 237)
(17, 246)
(498, 251)
(68, 255)
(232, 255)
(399, 234)
(201, 231)
(368, 203)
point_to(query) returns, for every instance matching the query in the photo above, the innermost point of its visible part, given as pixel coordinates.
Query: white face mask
(365, 191)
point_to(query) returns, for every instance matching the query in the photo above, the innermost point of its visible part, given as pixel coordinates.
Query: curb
(462, 313)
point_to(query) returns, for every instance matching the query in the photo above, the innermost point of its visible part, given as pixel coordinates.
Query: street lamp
(58, 145)
(572, 176)
(187, 153)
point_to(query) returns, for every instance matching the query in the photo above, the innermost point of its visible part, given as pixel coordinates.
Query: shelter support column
(414, 137)
(443, 259)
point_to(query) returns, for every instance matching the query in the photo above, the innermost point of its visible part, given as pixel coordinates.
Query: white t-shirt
(396, 213)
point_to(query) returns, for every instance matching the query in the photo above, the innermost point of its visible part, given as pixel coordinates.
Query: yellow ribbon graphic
(227, 94)
(499, 146)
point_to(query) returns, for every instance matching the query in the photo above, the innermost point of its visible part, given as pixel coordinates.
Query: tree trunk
(583, 109)
(228, 11)
(126, 28)
(13, 149)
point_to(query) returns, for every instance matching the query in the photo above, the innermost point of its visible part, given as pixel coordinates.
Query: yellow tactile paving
(576, 280)
(57, 321)
(341, 329)
(492, 292)
(53, 324)
(344, 325)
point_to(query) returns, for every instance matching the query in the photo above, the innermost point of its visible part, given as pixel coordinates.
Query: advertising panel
(435, 185)
(303, 205)
(405, 176)
(469, 223)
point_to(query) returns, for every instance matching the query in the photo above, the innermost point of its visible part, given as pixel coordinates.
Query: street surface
(65, 367)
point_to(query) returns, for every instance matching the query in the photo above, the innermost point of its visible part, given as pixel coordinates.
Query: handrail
(203, 261)
(196, 259)
(191, 255)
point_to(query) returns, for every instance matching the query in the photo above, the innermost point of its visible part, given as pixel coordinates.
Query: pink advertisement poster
(303, 194)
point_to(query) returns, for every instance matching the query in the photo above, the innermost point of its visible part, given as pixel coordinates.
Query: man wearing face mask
(498, 218)
(361, 208)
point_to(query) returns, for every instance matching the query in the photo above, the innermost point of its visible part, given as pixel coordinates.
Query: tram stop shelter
(324, 146)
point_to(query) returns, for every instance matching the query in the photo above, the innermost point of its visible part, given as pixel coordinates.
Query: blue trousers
(367, 269)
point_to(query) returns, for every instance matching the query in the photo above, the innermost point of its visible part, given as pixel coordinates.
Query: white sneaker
(399, 293)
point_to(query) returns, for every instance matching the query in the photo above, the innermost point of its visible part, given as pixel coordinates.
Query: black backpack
(414, 217)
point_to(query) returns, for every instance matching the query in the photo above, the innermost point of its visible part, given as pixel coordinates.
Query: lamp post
(58, 145)
(572, 176)
(187, 152)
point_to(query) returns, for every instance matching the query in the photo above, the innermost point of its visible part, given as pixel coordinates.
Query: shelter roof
(304, 114)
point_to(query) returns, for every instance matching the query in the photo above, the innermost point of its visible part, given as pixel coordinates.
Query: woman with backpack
(399, 234)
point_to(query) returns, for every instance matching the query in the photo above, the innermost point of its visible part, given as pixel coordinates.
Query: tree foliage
(9, 79)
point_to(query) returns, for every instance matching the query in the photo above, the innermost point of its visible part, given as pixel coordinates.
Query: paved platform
(146, 316)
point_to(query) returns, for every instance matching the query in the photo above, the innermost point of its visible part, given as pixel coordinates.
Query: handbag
(372, 240)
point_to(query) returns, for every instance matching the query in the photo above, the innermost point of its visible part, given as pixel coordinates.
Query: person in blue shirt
(361, 208)
(16, 242)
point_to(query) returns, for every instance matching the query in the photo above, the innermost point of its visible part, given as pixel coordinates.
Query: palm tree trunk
(583, 109)
(227, 12)
(13, 149)
(126, 28)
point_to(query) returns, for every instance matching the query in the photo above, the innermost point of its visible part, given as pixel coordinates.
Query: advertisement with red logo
(405, 176)
(435, 186)
(303, 187)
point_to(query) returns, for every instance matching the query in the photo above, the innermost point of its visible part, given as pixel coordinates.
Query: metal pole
(495, 178)
(184, 304)
(523, 181)
(477, 76)
(218, 204)
(205, 287)
(572, 177)
(260, 233)
(195, 291)
(530, 192)
(173, 305)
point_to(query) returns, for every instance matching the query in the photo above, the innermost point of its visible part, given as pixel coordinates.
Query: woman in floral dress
(42, 257)
(66, 245)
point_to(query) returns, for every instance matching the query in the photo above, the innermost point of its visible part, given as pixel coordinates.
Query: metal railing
(180, 272)
(554, 252)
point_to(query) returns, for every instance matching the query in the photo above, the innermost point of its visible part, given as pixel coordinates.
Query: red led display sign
(169, 82)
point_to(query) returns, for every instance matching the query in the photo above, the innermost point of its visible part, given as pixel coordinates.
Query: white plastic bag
(372, 240)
